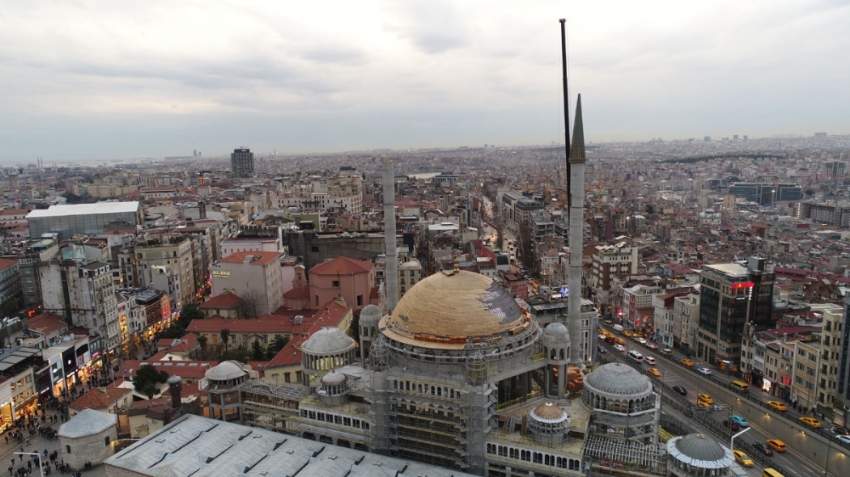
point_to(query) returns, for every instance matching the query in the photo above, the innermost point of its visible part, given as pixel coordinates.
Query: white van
(649, 360)
(618, 327)
(636, 357)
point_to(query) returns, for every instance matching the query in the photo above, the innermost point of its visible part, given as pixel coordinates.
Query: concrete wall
(91, 448)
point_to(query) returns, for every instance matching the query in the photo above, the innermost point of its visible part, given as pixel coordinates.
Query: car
(844, 439)
(687, 362)
(620, 348)
(610, 340)
(680, 390)
(601, 337)
(777, 406)
(739, 420)
(641, 340)
(811, 422)
(652, 346)
(763, 448)
(702, 397)
(840, 431)
(741, 458)
(703, 406)
(734, 427)
(704, 371)
(639, 334)
(601, 349)
(667, 352)
(627, 334)
(620, 341)
(776, 445)
(608, 322)
(649, 360)
(654, 371)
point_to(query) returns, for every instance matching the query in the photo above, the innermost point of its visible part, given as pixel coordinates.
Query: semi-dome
(333, 379)
(453, 308)
(225, 371)
(549, 412)
(370, 315)
(329, 340)
(700, 451)
(556, 330)
(617, 379)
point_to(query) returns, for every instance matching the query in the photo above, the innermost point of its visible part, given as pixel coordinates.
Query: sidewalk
(37, 444)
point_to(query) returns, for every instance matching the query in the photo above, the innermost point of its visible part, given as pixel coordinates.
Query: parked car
(840, 431)
(620, 348)
(667, 352)
(844, 439)
(811, 422)
(703, 397)
(652, 345)
(763, 448)
(739, 420)
(741, 458)
(777, 406)
(776, 445)
(704, 371)
(734, 427)
(649, 360)
(687, 362)
(680, 390)
(654, 371)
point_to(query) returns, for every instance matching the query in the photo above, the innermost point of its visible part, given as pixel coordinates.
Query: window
(106, 441)
(359, 300)
(335, 283)
(68, 449)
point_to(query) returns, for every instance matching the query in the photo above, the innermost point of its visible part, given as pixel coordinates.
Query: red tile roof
(184, 369)
(7, 262)
(46, 323)
(342, 266)
(99, 398)
(297, 293)
(328, 315)
(225, 300)
(253, 257)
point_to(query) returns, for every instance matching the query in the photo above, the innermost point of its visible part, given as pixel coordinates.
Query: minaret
(577, 160)
(389, 234)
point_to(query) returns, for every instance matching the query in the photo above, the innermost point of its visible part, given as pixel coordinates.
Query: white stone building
(88, 438)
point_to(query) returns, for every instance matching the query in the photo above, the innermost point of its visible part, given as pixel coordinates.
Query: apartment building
(686, 322)
(841, 404)
(638, 312)
(252, 276)
(609, 261)
(168, 255)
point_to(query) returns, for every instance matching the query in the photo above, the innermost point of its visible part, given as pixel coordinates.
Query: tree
(191, 312)
(250, 305)
(257, 353)
(241, 355)
(147, 380)
(275, 346)
(202, 340)
(225, 337)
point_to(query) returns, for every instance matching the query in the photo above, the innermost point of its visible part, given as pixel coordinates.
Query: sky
(91, 80)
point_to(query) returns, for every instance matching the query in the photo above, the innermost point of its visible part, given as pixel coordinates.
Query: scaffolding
(610, 455)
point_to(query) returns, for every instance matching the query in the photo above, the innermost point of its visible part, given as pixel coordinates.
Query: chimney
(391, 275)
(174, 388)
(576, 226)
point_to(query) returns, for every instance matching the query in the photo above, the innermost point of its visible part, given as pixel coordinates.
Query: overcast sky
(121, 79)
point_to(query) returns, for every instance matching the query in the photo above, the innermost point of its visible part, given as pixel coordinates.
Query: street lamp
(732, 440)
(40, 468)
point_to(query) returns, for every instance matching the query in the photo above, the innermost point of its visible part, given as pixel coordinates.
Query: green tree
(202, 340)
(147, 380)
(225, 337)
(276, 345)
(241, 355)
(257, 353)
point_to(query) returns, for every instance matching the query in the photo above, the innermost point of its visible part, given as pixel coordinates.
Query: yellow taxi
(703, 404)
(620, 341)
(811, 422)
(702, 397)
(742, 458)
(627, 334)
(777, 406)
(654, 371)
(776, 445)
(687, 362)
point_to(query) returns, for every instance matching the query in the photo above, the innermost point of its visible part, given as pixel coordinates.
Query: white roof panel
(85, 209)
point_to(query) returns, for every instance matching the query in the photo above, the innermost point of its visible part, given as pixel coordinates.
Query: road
(673, 374)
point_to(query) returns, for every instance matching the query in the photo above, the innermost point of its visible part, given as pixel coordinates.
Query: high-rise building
(731, 296)
(841, 404)
(242, 162)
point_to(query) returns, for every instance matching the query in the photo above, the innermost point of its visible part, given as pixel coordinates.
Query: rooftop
(252, 257)
(85, 209)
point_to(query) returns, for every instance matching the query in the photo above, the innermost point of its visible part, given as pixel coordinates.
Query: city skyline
(154, 79)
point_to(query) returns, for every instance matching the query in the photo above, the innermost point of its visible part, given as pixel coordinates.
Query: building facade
(242, 163)
(84, 219)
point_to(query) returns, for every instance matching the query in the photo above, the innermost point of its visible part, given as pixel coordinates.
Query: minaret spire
(577, 160)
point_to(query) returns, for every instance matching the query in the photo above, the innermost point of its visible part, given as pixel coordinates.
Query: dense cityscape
(174, 308)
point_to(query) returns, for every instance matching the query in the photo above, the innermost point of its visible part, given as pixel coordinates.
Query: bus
(739, 386)
(771, 473)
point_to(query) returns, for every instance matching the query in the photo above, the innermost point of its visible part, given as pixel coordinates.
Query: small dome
(333, 378)
(174, 380)
(87, 423)
(549, 412)
(557, 330)
(327, 341)
(618, 379)
(370, 315)
(700, 451)
(225, 371)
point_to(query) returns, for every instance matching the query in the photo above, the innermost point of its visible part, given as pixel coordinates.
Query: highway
(674, 374)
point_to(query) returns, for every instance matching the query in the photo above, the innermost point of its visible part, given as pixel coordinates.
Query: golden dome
(549, 412)
(450, 309)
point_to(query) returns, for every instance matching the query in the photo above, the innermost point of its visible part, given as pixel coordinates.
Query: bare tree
(250, 306)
